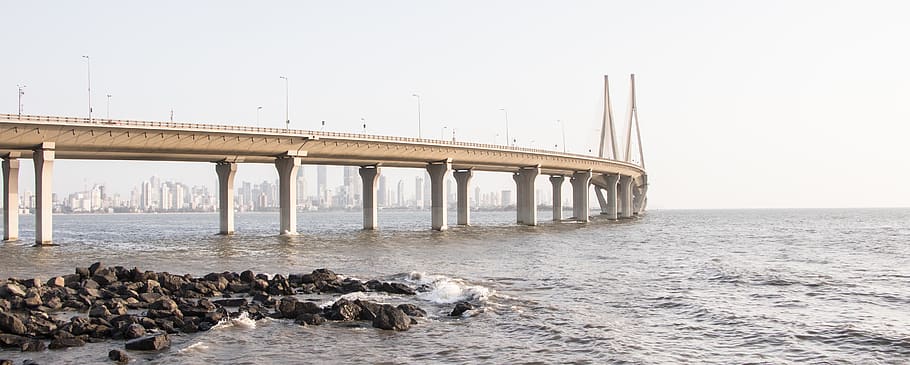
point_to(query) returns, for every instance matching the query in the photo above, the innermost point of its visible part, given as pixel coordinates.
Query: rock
(412, 310)
(368, 309)
(32, 345)
(149, 343)
(343, 310)
(104, 277)
(32, 283)
(247, 276)
(54, 303)
(6, 362)
(99, 311)
(396, 288)
(288, 307)
(392, 318)
(232, 302)
(94, 268)
(119, 356)
(165, 304)
(324, 275)
(41, 326)
(308, 308)
(7, 340)
(460, 308)
(352, 286)
(62, 343)
(4, 305)
(310, 319)
(11, 324)
(133, 331)
(33, 300)
(12, 289)
(56, 282)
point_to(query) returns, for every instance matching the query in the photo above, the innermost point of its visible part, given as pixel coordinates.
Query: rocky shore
(144, 307)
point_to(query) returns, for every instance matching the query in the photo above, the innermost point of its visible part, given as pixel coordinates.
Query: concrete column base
(612, 196)
(44, 190)
(526, 199)
(287, 187)
(11, 197)
(625, 196)
(580, 197)
(556, 181)
(438, 206)
(370, 177)
(463, 179)
(226, 172)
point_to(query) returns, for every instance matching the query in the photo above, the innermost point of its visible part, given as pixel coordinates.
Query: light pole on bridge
(21, 93)
(109, 106)
(88, 62)
(287, 119)
(563, 125)
(258, 109)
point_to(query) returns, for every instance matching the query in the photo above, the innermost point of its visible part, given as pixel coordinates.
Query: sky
(770, 104)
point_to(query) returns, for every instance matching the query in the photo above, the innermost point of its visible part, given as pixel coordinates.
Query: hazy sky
(742, 104)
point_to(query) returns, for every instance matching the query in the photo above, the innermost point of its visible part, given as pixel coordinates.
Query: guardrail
(261, 130)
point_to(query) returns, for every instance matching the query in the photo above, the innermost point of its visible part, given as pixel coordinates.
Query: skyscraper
(321, 187)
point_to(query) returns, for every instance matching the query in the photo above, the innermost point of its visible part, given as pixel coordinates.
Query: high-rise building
(418, 192)
(322, 195)
(382, 198)
(301, 188)
(400, 195)
(506, 198)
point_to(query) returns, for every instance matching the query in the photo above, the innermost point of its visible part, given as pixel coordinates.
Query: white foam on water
(198, 346)
(446, 290)
(242, 321)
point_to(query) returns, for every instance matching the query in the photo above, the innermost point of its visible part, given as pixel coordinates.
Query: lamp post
(563, 125)
(364, 122)
(287, 119)
(21, 93)
(442, 133)
(88, 62)
(419, 134)
(258, 109)
(109, 106)
(507, 123)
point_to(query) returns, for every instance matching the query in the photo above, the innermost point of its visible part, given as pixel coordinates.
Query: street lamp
(287, 119)
(507, 123)
(21, 93)
(563, 125)
(442, 133)
(418, 115)
(362, 120)
(88, 61)
(258, 109)
(109, 106)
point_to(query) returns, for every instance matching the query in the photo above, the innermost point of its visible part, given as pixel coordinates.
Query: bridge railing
(260, 130)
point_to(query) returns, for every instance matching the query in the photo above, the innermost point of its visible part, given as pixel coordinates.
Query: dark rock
(247, 276)
(119, 356)
(99, 311)
(11, 324)
(62, 343)
(8, 340)
(134, 330)
(460, 308)
(260, 284)
(32, 345)
(307, 307)
(54, 303)
(288, 307)
(352, 286)
(4, 305)
(83, 272)
(395, 288)
(41, 326)
(149, 297)
(237, 287)
(310, 319)
(32, 283)
(324, 275)
(368, 309)
(391, 318)
(33, 300)
(412, 310)
(343, 310)
(165, 304)
(149, 343)
(12, 289)
(233, 302)
(6, 362)
(94, 268)
(104, 277)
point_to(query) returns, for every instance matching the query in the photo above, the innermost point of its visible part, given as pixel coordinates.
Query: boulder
(392, 318)
(323, 275)
(134, 331)
(32, 283)
(56, 282)
(308, 308)
(33, 300)
(99, 310)
(287, 306)
(310, 319)
(165, 304)
(412, 310)
(8, 340)
(6, 362)
(149, 343)
(460, 308)
(119, 356)
(247, 276)
(32, 345)
(343, 310)
(83, 272)
(12, 290)
(368, 309)
(11, 324)
(94, 268)
(62, 343)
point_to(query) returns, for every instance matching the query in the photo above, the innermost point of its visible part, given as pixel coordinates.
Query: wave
(441, 289)
(242, 321)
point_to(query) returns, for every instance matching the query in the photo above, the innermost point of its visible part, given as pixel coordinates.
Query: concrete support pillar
(11, 197)
(625, 196)
(526, 199)
(44, 190)
(463, 180)
(226, 172)
(556, 181)
(581, 181)
(438, 206)
(519, 203)
(612, 195)
(287, 192)
(370, 177)
(640, 200)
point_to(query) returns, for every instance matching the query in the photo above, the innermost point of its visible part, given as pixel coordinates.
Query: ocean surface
(706, 287)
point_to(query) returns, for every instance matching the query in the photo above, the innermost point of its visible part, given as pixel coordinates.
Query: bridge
(619, 184)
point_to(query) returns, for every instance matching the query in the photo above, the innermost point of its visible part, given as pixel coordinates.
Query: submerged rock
(412, 310)
(119, 356)
(392, 318)
(460, 308)
(62, 343)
